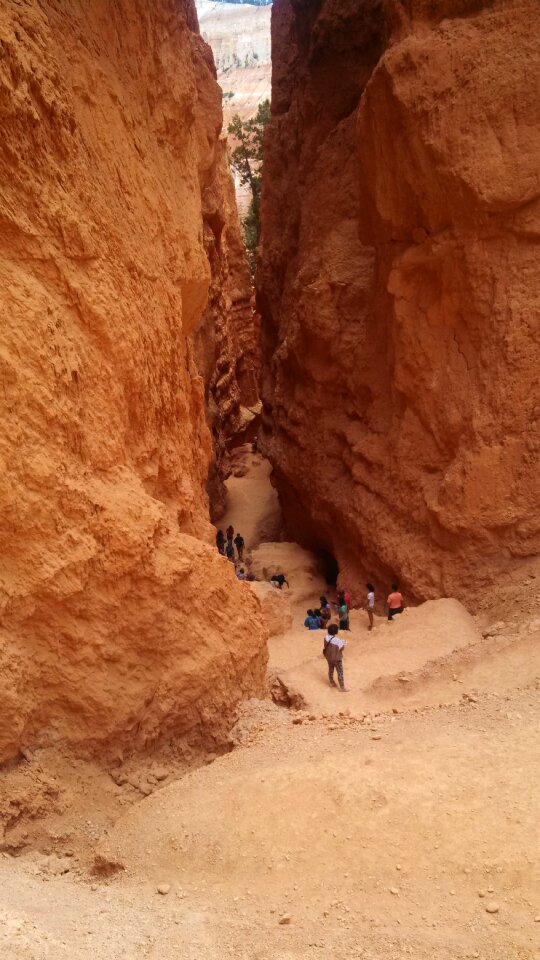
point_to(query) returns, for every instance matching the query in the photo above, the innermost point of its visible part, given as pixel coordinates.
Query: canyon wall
(227, 348)
(119, 623)
(399, 287)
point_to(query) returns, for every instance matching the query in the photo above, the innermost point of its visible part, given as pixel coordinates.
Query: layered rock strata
(119, 623)
(399, 286)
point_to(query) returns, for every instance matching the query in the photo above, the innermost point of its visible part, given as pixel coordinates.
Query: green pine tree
(247, 159)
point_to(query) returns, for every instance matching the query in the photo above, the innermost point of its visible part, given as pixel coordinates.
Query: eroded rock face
(119, 622)
(227, 343)
(399, 286)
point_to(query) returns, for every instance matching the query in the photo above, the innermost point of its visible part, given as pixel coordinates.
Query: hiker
(239, 542)
(309, 618)
(241, 574)
(343, 613)
(278, 579)
(395, 602)
(370, 603)
(230, 533)
(347, 600)
(254, 445)
(333, 651)
(229, 550)
(312, 622)
(326, 612)
(220, 541)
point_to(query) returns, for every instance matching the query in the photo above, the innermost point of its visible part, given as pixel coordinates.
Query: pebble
(492, 907)
(394, 891)
(163, 888)
(57, 866)
(285, 919)
(160, 773)
(377, 737)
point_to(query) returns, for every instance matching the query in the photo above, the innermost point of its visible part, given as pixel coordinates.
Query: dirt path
(379, 841)
(377, 825)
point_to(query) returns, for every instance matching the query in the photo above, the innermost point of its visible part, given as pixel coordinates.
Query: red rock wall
(119, 623)
(399, 286)
(227, 342)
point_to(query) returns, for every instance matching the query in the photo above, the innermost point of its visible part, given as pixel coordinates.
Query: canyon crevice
(399, 287)
(120, 624)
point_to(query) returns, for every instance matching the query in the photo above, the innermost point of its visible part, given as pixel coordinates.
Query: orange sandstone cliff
(119, 623)
(399, 286)
(227, 347)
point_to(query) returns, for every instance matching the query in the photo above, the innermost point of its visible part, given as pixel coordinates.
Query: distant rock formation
(399, 287)
(239, 35)
(120, 625)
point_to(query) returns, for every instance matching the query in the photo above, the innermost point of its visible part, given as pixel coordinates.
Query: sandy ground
(252, 502)
(400, 819)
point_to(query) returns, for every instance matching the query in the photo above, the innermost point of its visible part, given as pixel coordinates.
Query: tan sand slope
(252, 503)
(355, 826)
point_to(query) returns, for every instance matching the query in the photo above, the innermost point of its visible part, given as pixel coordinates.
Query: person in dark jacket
(239, 544)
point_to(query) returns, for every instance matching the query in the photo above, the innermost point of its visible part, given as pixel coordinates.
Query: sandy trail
(252, 502)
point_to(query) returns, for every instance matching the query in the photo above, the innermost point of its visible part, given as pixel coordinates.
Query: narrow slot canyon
(328, 347)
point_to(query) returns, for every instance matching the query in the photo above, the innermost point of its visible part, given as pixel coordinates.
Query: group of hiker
(226, 542)
(333, 644)
(318, 618)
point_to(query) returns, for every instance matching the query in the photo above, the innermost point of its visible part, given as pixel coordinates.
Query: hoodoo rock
(120, 624)
(399, 285)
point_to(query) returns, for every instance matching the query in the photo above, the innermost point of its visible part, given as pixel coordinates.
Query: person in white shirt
(333, 651)
(370, 603)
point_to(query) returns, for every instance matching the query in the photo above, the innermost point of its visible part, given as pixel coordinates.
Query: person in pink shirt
(395, 602)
